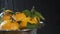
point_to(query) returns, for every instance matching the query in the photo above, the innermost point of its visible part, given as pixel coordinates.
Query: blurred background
(48, 8)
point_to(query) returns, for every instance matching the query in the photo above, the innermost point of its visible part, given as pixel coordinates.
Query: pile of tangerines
(17, 21)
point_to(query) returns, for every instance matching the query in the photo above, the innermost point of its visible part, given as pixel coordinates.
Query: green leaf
(36, 13)
(27, 12)
(39, 15)
(0, 20)
(32, 12)
(12, 12)
(32, 26)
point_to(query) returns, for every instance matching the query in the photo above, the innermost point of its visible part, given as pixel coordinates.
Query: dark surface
(14, 32)
(50, 10)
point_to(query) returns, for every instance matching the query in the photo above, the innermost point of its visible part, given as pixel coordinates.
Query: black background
(48, 8)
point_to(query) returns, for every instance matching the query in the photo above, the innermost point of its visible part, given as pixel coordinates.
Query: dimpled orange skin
(6, 26)
(6, 17)
(33, 20)
(23, 24)
(19, 16)
(14, 26)
(10, 26)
